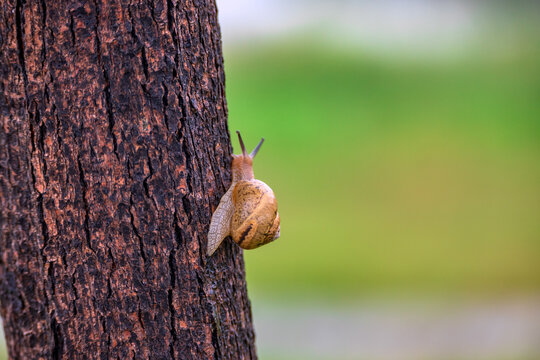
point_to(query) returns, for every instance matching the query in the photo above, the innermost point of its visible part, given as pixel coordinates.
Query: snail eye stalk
(256, 150)
(241, 143)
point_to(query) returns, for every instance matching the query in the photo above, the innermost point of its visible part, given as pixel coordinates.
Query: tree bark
(114, 153)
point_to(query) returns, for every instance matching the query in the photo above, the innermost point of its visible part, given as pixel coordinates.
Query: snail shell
(247, 211)
(255, 220)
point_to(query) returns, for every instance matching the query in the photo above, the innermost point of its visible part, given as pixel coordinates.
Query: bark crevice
(56, 352)
(107, 88)
(72, 30)
(86, 208)
(19, 24)
(135, 229)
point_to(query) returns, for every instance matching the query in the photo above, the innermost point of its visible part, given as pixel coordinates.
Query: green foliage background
(393, 174)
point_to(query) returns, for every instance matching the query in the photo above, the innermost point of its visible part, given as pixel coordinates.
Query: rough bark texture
(114, 152)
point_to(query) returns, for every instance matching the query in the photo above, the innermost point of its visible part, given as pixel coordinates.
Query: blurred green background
(391, 173)
(405, 167)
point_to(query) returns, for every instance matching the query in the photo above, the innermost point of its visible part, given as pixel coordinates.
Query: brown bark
(114, 152)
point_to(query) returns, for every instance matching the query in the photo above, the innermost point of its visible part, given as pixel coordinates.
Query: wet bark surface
(114, 153)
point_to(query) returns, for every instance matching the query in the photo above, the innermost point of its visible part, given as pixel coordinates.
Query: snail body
(247, 211)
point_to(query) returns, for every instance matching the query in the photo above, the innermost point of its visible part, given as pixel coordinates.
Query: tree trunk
(114, 153)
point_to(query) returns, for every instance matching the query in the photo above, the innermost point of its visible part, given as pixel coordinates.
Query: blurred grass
(392, 174)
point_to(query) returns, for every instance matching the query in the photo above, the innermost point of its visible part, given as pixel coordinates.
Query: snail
(248, 210)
